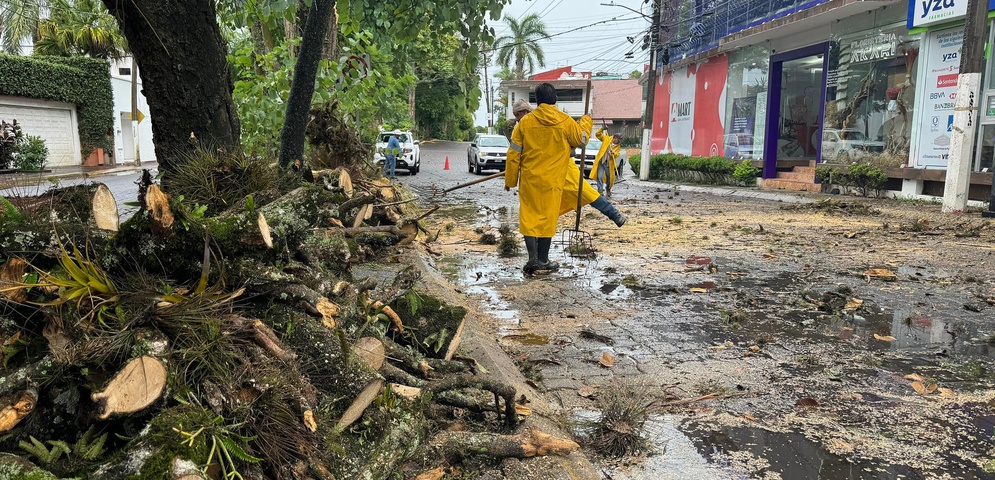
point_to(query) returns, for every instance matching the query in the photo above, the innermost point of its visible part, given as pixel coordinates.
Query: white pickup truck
(410, 157)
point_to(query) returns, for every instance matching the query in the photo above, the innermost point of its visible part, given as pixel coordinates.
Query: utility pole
(134, 111)
(487, 95)
(972, 61)
(645, 153)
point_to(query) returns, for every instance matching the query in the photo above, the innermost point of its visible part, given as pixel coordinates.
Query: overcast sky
(596, 48)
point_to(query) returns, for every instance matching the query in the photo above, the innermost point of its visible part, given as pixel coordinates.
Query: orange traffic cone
(447, 163)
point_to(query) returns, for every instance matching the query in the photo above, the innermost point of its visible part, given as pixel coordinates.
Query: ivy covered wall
(83, 81)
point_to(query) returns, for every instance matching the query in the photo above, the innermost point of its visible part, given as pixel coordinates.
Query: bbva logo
(935, 6)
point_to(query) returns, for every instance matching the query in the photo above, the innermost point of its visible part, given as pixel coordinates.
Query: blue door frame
(773, 126)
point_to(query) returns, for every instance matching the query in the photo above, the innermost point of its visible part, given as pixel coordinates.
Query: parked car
(593, 145)
(841, 145)
(410, 158)
(738, 146)
(487, 152)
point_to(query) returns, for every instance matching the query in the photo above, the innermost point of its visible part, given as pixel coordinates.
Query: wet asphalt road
(814, 394)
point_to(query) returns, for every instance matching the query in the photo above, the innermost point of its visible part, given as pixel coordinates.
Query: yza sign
(931, 12)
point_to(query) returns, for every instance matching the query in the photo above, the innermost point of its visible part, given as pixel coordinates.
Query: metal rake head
(577, 243)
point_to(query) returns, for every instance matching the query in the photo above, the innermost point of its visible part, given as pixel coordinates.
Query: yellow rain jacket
(540, 155)
(609, 153)
(569, 201)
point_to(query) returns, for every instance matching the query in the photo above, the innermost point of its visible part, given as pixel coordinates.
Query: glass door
(801, 85)
(795, 101)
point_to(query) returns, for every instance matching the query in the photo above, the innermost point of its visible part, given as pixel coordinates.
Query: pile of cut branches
(232, 340)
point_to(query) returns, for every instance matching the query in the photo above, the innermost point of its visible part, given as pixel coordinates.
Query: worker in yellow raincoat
(568, 201)
(605, 163)
(539, 163)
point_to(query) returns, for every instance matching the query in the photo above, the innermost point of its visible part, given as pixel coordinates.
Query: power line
(613, 19)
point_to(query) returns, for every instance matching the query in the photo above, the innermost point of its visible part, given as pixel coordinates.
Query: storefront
(871, 95)
(940, 27)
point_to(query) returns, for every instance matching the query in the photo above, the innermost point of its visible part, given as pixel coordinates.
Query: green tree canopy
(520, 47)
(80, 28)
(18, 21)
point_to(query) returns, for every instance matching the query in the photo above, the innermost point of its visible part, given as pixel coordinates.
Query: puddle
(791, 455)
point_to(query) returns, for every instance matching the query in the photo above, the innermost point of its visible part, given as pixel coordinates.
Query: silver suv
(487, 152)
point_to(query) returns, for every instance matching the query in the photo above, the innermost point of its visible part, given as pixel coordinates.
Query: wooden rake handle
(479, 180)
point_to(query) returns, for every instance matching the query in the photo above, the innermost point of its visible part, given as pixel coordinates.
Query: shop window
(870, 96)
(562, 95)
(746, 102)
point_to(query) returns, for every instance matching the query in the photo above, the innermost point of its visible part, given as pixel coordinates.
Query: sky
(595, 48)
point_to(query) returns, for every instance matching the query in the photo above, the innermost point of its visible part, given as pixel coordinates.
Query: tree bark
(178, 47)
(302, 88)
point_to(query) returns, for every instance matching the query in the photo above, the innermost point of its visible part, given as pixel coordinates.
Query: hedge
(83, 81)
(673, 166)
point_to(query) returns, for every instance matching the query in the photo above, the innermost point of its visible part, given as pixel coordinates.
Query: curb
(479, 345)
(21, 178)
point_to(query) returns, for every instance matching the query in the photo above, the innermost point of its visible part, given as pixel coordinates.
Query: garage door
(53, 121)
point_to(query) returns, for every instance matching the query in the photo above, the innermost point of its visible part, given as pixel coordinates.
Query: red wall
(689, 109)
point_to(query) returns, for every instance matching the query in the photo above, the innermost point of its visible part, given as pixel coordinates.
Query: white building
(124, 135)
(57, 123)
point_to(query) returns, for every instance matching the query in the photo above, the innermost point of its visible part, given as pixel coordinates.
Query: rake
(441, 193)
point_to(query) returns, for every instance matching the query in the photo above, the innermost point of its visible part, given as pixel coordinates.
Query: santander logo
(946, 81)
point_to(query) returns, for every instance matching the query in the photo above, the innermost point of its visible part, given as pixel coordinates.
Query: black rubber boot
(532, 246)
(544, 263)
(609, 210)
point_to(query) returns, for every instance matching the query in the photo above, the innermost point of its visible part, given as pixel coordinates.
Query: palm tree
(521, 45)
(18, 20)
(80, 27)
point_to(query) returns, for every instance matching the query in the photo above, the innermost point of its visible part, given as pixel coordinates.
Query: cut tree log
(385, 189)
(371, 350)
(365, 213)
(358, 406)
(135, 387)
(526, 445)
(11, 276)
(157, 203)
(17, 408)
(352, 203)
(328, 310)
(330, 371)
(105, 213)
(506, 392)
(394, 317)
(264, 230)
(404, 391)
(434, 474)
(33, 373)
(410, 229)
(345, 182)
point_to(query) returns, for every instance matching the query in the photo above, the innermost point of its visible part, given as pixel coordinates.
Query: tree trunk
(330, 47)
(302, 88)
(411, 108)
(182, 59)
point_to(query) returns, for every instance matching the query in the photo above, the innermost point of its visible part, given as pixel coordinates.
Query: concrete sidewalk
(10, 178)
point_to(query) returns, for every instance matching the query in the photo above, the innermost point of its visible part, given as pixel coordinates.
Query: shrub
(746, 173)
(32, 154)
(10, 139)
(866, 177)
(634, 162)
(826, 174)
